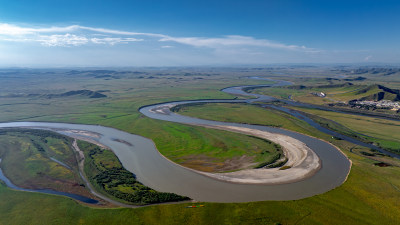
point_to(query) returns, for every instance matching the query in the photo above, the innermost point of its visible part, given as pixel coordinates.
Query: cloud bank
(76, 45)
(76, 35)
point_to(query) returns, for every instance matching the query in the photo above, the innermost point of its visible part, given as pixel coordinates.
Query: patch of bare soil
(209, 164)
(382, 164)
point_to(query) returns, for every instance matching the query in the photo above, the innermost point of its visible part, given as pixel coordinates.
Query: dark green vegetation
(107, 175)
(85, 93)
(370, 196)
(27, 160)
(78, 93)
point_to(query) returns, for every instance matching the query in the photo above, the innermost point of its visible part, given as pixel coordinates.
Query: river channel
(140, 156)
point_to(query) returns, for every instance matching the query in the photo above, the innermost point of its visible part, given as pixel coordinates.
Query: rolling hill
(377, 93)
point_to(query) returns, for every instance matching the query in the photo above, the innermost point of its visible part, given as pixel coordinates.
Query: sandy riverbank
(83, 135)
(303, 162)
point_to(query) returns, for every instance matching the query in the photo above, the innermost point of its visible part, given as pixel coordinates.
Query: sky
(57, 33)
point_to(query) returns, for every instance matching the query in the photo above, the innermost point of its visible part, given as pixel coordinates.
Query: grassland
(370, 196)
(199, 148)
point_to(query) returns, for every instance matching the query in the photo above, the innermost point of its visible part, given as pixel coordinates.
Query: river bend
(140, 156)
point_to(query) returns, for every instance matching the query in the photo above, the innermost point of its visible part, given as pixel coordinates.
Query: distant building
(319, 94)
(385, 104)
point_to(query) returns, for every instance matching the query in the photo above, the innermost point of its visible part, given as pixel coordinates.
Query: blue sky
(184, 33)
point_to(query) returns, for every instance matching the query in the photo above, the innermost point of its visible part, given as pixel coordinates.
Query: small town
(386, 104)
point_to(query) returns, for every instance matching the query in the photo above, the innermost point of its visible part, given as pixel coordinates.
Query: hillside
(377, 93)
(77, 93)
(86, 93)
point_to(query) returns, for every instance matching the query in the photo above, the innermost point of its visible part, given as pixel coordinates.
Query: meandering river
(140, 156)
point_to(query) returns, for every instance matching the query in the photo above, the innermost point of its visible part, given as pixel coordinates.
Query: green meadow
(371, 195)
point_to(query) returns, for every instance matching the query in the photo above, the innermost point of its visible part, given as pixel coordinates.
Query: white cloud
(119, 32)
(62, 40)
(9, 29)
(167, 46)
(231, 40)
(72, 36)
(113, 41)
(368, 58)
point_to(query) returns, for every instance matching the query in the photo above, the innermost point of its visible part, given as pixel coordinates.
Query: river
(140, 156)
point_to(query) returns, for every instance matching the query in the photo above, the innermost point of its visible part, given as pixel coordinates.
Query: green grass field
(371, 194)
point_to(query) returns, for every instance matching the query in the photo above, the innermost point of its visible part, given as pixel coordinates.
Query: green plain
(371, 195)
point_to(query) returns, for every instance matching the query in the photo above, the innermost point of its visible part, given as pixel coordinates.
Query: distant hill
(347, 79)
(378, 92)
(78, 93)
(347, 84)
(86, 93)
(301, 87)
(372, 70)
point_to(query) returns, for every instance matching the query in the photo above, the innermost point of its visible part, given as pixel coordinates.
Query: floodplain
(369, 187)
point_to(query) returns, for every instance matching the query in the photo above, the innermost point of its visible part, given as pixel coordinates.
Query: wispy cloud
(14, 30)
(113, 41)
(368, 58)
(62, 40)
(167, 46)
(231, 40)
(77, 35)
